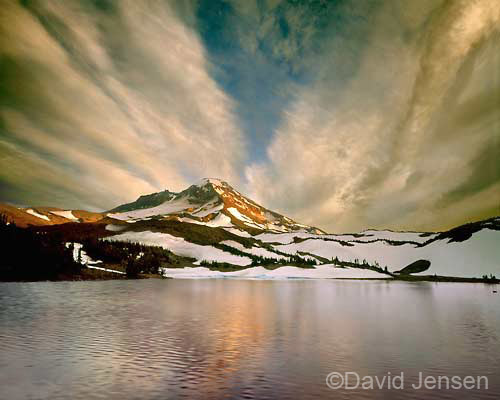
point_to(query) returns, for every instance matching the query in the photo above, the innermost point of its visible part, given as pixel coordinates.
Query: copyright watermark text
(352, 380)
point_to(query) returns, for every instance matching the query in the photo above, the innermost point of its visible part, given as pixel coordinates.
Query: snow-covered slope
(320, 272)
(182, 247)
(68, 214)
(39, 216)
(467, 251)
(211, 202)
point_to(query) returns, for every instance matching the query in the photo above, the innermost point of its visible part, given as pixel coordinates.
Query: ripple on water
(214, 339)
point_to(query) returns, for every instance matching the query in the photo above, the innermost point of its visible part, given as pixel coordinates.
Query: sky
(345, 115)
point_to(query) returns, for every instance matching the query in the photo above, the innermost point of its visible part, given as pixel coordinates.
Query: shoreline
(111, 276)
(105, 274)
(439, 278)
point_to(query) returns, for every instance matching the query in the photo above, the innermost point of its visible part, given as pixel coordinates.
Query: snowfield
(477, 256)
(390, 235)
(238, 232)
(472, 258)
(114, 228)
(207, 210)
(327, 271)
(172, 206)
(65, 214)
(366, 236)
(220, 220)
(34, 213)
(182, 247)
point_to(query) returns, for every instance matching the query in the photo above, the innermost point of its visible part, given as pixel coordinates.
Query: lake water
(216, 339)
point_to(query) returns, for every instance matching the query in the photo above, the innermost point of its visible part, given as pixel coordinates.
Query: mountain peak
(212, 202)
(217, 184)
(214, 181)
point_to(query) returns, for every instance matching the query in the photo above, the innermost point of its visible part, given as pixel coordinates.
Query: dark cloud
(484, 172)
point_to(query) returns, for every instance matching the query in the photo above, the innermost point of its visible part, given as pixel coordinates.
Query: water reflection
(240, 339)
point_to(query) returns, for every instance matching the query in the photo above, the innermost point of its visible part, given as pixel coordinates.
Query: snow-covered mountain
(213, 203)
(212, 222)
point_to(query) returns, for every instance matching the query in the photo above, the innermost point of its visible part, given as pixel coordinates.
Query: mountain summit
(210, 202)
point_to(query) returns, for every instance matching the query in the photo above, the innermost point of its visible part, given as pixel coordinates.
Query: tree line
(27, 255)
(289, 259)
(135, 258)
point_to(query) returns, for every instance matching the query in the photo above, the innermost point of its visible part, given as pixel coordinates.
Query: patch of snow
(320, 272)
(78, 252)
(277, 237)
(276, 227)
(65, 214)
(190, 221)
(243, 218)
(34, 213)
(182, 247)
(114, 228)
(238, 232)
(220, 220)
(106, 269)
(168, 207)
(395, 236)
(203, 211)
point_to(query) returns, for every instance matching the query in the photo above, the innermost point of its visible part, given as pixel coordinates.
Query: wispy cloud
(385, 148)
(113, 102)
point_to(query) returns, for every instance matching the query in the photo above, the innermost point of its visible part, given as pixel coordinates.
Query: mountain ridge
(144, 201)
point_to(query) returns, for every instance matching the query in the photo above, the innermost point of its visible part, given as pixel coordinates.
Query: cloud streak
(387, 148)
(118, 102)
